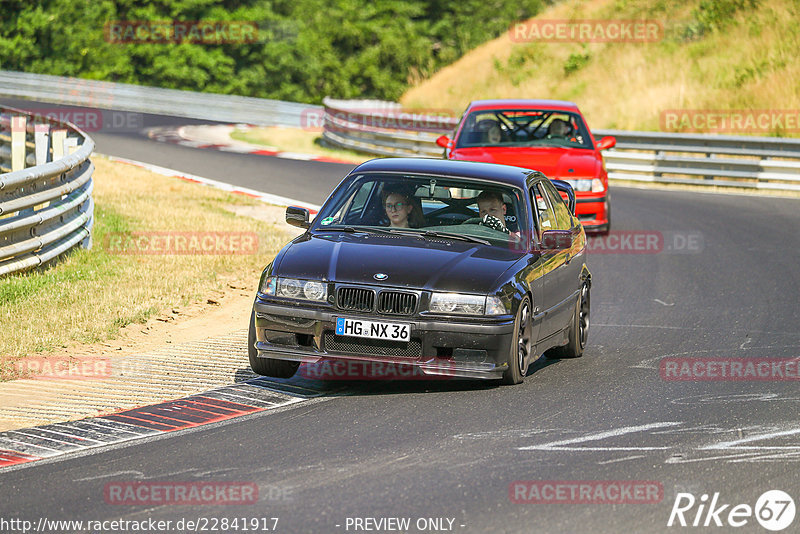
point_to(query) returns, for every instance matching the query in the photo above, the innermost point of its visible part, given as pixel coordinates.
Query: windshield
(427, 206)
(530, 127)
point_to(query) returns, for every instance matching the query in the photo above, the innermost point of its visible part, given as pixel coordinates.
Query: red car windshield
(524, 128)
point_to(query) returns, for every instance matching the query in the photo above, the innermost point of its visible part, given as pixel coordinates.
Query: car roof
(505, 174)
(560, 105)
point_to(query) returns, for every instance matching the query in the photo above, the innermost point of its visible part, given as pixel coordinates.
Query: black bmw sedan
(447, 268)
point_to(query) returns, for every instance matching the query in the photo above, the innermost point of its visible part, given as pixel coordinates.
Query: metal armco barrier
(141, 99)
(382, 128)
(385, 129)
(46, 208)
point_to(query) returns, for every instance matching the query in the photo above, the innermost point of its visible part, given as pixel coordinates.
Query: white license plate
(373, 329)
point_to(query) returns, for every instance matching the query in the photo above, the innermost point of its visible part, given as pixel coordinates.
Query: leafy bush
(576, 61)
(307, 49)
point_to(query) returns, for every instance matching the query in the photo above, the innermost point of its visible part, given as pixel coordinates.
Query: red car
(550, 136)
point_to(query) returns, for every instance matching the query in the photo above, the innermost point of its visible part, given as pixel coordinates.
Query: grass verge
(88, 296)
(287, 139)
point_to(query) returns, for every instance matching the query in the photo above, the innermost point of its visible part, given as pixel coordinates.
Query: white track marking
(736, 444)
(634, 457)
(137, 475)
(560, 445)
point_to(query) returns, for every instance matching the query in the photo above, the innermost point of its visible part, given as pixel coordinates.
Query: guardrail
(382, 128)
(141, 99)
(46, 208)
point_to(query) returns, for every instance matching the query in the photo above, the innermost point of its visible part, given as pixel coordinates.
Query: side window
(546, 218)
(563, 219)
(353, 211)
(360, 198)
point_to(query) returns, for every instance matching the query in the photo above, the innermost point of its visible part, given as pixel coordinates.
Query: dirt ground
(162, 359)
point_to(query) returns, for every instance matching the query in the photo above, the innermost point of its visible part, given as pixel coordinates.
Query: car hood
(408, 261)
(554, 162)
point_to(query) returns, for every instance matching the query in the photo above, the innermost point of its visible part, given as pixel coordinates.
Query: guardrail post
(59, 136)
(657, 158)
(70, 145)
(88, 209)
(42, 139)
(18, 129)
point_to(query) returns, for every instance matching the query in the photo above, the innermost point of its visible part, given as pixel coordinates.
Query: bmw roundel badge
(380, 276)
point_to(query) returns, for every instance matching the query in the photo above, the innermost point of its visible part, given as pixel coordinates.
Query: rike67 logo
(774, 510)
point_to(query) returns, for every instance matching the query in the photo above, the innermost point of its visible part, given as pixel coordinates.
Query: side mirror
(297, 217)
(443, 141)
(556, 239)
(565, 188)
(607, 142)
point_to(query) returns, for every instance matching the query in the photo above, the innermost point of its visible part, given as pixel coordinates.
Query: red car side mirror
(443, 141)
(607, 142)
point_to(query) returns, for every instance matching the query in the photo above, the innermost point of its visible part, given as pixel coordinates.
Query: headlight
(315, 290)
(460, 304)
(292, 288)
(597, 185)
(584, 185)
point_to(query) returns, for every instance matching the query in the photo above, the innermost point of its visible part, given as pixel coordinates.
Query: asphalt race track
(721, 282)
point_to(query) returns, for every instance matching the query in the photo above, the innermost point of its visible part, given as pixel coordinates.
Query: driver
(401, 210)
(558, 128)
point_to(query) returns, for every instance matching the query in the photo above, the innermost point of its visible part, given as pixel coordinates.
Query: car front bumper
(592, 212)
(439, 347)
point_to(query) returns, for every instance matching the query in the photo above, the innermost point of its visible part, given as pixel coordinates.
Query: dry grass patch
(744, 60)
(91, 294)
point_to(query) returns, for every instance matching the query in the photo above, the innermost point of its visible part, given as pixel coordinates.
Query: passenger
(492, 210)
(401, 210)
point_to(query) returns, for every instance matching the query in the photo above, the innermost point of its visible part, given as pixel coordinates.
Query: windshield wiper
(461, 237)
(405, 231)
(364, 229)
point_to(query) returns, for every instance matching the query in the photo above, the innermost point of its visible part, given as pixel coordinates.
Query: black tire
(607, 227)
(520, 349)
(578, 329)
(266, 366)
